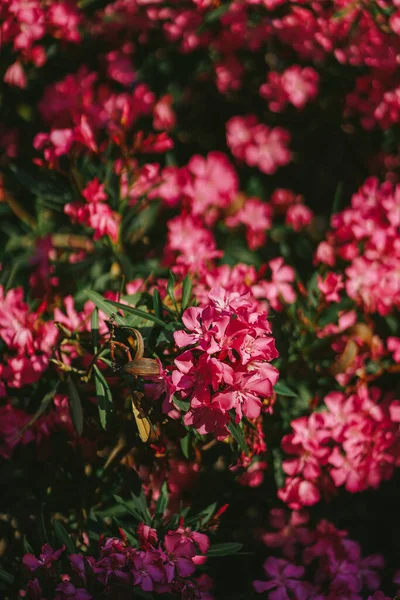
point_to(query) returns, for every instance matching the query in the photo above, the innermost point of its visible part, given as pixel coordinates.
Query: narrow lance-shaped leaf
(208, 513)
(63, 536)
(284, 390)
(130, 507)
(104, 306)
(42, 407)
(135, 311)
(104, 397)
(170, 288)
(186, 292)
(141, 503)
(237, 434)
(6, 577)
(224, 549)
(94, 326)
(185, 445)
(76, 406)
(162, 501)
(157, 304)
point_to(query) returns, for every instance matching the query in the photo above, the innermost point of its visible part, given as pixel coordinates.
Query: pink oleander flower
(182, 546)
(190, 246)
(95, 213)
(46, 560)
(149, 571)
(295, 85)
(229, 74)
(15, 76)
(283, 579)
(365, 236)
(258, 145)
(353, 444)
(29, 339)
(94, 192)
(227, 366)
(214, 185)
(298, 216)
(63, 18)
(164, 118)
(55, 144)
(256, 217)
(282, 199)
(120, 68)
(393, 345)
(330, 287)
(67, 591)
(289, 532)
(325, 254)
(280, 287)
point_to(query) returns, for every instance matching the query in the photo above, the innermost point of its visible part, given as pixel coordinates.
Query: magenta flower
(46, 559)
(67, 591)
(283, 581)
(148, 570)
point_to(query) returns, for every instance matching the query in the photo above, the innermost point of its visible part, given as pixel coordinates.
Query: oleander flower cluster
(319, 563)
(154, 566)
(199, 299)
(354, 443)
(227, 364)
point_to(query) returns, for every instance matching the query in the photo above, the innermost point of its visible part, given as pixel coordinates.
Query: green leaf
(76, 406)
(186, 292)
(6, 577)
(101, 303)
(162, 501)
(215, 14)
(26, 546)
(157, 304)
(137, 507)
(42, 407)
(284, 390)
(237, 434)
(207, 513)
(104, 397)
(185, 445)
(183, 405)
(170, 289)
(94, 326)
(63, 536)
(136, 311)
(331, 314)
(141, 503)
(277, 458)
(224, 549)
(338, 198)
(130, 507)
